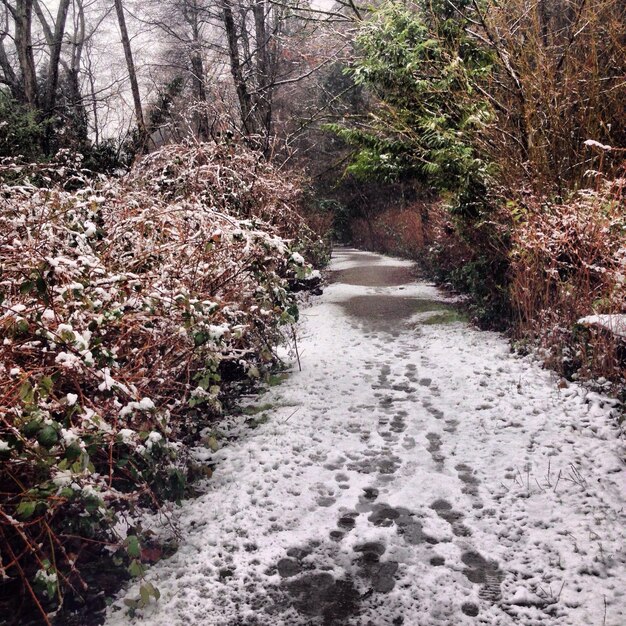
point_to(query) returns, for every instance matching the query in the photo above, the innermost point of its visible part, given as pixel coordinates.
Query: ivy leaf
(73, 452)
(47, 436)
(132, 547)
(67, 492)
(32, 428)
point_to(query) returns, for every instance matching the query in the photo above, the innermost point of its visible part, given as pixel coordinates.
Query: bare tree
(9, 77)
(54, 39)
(22, 13)
(132, 76)
(236, 67)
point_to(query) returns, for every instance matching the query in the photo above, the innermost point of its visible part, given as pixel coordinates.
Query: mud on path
(415, 472)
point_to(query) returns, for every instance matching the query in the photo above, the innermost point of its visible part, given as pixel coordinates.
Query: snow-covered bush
(126, 305)
(233, 180)
(569, 261)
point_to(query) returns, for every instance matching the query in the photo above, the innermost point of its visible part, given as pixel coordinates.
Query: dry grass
(558, 81)
(569, 261)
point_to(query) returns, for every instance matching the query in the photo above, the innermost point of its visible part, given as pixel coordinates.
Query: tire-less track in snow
(414, 472)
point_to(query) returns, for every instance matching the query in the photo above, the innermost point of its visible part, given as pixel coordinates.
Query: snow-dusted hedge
(124, 305)
(568, 261)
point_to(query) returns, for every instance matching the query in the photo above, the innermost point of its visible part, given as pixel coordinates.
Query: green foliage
(341, 92)
(107, 157)
(29, 137)
(423, 67)
(340, 215)
(21, 132)
(161, 110)
(484, 278)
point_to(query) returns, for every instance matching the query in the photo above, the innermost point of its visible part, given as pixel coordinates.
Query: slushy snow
(414, 472)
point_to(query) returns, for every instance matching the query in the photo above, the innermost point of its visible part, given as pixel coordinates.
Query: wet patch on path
(374, 276)
(403, 489)
(385, 312)
(320, 594)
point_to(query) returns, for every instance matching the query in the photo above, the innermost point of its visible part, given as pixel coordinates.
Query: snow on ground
(414, 472)
(614, 323)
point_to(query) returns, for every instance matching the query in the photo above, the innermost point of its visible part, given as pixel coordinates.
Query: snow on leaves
(122, 302)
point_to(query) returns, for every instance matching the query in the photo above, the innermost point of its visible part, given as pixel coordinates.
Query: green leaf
(200, 338)
(48, 436)
(67, 492)
(144, 594)
(93, 504)
(136, 569)
(147, 591)
(32, 428)
(73, 452)
(132, 546)
(45, 386)
(26, 509)
(26, 392)
(42, 288)
(27, 286)
(155, 592)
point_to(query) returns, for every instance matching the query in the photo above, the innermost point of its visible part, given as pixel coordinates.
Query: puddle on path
(385, 312)
(352, 254)
(374, 276)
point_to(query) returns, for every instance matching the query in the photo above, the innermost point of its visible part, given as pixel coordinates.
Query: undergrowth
(129, 309)
(569, 262)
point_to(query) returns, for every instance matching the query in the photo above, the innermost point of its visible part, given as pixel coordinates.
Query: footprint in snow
(484, 572)
(444, 509)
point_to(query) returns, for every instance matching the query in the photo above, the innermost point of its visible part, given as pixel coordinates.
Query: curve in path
(414, 472)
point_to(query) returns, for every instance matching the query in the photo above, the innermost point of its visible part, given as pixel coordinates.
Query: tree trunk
(55, 57)
(243, 95)
(24, 47)
(10, 78)
(198, 78)
(264, 79)
(132, 75)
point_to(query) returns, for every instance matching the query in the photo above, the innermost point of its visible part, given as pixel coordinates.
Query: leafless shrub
(569, 261)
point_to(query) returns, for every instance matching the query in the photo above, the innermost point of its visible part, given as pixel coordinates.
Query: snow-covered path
(414, 472)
